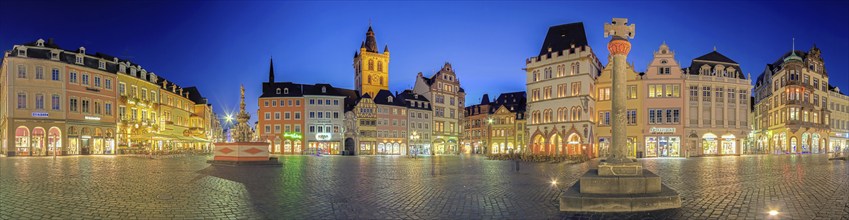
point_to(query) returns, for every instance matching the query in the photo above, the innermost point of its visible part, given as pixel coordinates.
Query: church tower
(371, 68)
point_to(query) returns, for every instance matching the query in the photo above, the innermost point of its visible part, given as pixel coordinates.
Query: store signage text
(40, 114)
(292, 135)
(95, 118)
(656, 130)
(323, 136)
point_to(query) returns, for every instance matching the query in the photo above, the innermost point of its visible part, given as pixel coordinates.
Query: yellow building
(371, 69)
(202, 121)
(604, 95)
(138, 109)
(175, 111)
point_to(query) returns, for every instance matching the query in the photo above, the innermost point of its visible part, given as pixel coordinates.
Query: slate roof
(561, 37)
(712, 59)
(409, 96)
(194, 95)
(270, 89)
(382, 98)
(715, 56)
(90, 60)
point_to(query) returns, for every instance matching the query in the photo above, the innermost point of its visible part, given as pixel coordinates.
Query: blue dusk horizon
(219, 45)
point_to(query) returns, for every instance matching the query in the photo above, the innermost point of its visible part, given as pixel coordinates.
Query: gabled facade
(447, 97)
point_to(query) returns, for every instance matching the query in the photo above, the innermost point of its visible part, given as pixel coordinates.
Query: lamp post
(488, 136)
(414, 138)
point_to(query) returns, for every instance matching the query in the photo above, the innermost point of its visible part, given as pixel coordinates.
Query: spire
(370, 43)
(485, 99)
(386, 49)
(793, 55)
(271, 70)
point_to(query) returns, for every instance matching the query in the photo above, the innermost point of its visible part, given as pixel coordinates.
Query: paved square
(375, 187)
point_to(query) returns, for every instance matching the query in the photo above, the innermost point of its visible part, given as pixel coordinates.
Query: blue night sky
(218, 45)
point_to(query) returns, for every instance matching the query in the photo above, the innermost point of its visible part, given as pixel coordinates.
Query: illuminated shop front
(37, 141)
(710, 144)
(324, 144)
(604, 147)
(663, 146)
(390, 148)
(729, 144)
(367, 147)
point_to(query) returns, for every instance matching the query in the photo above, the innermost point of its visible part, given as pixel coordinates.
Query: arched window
(379, 65)
(278, 90)
(371, 65)
(286, 91)
(381, 80)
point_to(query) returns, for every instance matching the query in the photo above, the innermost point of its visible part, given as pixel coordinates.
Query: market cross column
(619, 184)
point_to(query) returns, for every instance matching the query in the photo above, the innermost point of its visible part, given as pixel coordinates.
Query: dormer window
(278, 91)
(82, 50)
(22, 52)
(153, 78)
(79, 59)
(143, 74)
(122, 68)
(39, 42)
(389, 99)
(285, 90)
(101, 65)
(54, 55)
(133, 72)
(323, 89)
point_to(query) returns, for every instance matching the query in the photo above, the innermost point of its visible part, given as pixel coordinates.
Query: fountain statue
(244, 150)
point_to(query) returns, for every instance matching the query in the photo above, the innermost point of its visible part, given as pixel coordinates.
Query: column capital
(619, 47)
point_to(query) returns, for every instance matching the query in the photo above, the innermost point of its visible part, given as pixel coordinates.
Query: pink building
(391, 124)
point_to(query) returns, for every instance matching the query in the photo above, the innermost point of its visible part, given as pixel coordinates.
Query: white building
(325, 118)
(419, 121)
(559, 84)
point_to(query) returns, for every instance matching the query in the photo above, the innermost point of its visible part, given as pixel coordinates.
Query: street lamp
(415, 137)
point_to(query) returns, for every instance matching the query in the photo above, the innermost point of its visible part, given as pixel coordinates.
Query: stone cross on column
(619, 28)
(619, 48)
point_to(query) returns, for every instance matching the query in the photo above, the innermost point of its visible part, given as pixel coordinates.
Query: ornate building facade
(560, 86)
(447, 98)
(792, 104)
(498, 126)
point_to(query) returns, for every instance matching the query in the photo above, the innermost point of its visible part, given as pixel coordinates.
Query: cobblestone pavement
(375, 187)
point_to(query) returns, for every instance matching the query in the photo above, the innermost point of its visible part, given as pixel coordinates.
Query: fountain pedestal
(244, 150)
(243, 153)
